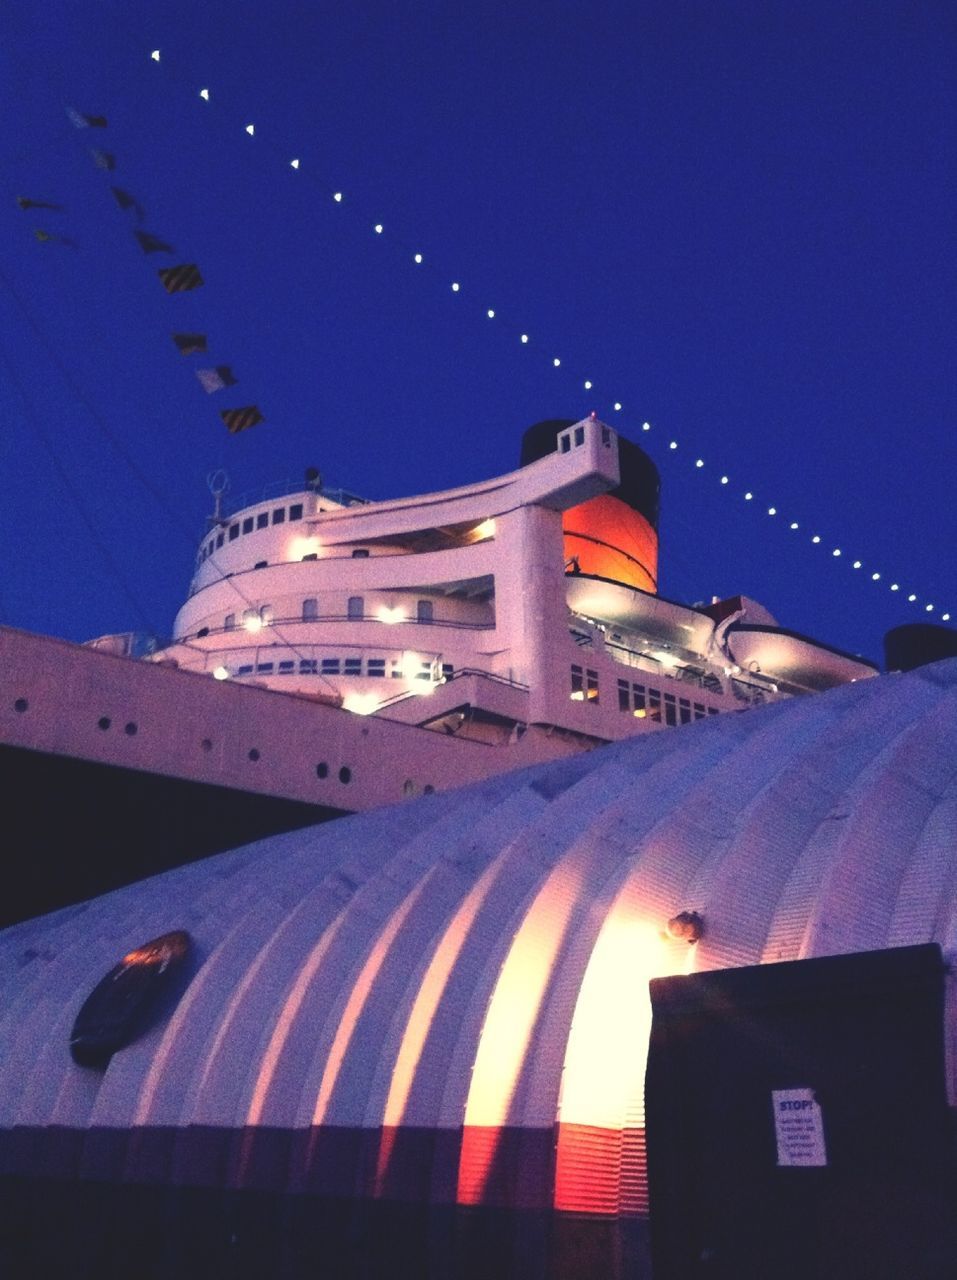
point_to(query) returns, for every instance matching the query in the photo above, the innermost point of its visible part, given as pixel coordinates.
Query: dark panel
(75, 829)
(139, 1212)
(864, 1032)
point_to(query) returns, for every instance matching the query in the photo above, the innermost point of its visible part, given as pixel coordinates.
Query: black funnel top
(916, 643)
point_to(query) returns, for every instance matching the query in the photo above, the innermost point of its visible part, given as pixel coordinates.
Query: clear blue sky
(737, 219)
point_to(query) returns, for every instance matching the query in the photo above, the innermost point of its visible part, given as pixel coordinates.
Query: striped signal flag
(237, 420)
(180, 279)
(216, 379)
(83, 121)
(152, 244)
(126, 201)
(188, 344)
(24, 202)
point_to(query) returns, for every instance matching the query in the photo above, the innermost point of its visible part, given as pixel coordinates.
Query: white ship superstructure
(464, 612)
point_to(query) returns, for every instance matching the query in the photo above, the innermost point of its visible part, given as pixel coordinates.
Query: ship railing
(492, 676)
(283, 489)
(297, 620)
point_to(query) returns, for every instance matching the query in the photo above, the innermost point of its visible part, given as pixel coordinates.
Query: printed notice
(799, 1128)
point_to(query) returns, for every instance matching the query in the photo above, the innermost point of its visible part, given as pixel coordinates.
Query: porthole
(345, 774)
(322, 770)
(207, 744)
(428, 789)
(104, 722)
(130, 728)
(21, 704)
(253, 754)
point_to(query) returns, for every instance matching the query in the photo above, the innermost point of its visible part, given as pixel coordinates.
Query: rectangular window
(605, 436)
(375, 667)
(264, 668)
(219, 540)
(654, 705)
(360, 553)
(425, 671)
(638, 696)
(261, 564)
(684, 710)
(262, 520)
(713, 711)
(307, 666)
(591, 684)
(267, 614)
(245, 671)
(233, 532)
(230, 623)
(564, 443)
(424, 611)
(286, 667)
(310, 610)
(447, 670)
(671, 710)
(624, 696)
(352, 667)
(578, 684)
(396, 669)
(311, 555)
(699, 711)
(248, 525)
(355, 608)
(279, 515)
(295, 511)
(330, 666)
(579, 436)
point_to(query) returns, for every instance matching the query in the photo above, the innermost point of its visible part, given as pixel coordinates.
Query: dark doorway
(798, 1125)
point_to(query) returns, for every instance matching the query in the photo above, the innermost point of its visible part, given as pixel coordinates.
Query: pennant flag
(152, 244)
(126, 201)
(189, 344)
(237, 420)
(180, 279)
(45, 237)
(26, 203)
(216, 379)
(85, 122)
(103, 159)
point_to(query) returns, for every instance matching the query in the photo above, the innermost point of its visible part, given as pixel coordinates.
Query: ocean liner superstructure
(336, 655)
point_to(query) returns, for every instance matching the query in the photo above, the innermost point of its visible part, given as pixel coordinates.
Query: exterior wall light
(686, 924)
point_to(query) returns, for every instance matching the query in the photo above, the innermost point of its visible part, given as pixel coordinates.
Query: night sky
(735, 219)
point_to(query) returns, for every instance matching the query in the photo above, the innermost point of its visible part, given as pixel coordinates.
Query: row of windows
(374, 668)
(643, 701)
(355, 612)
(249, 525)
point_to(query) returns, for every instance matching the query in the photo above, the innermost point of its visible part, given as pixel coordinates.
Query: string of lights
(524, 338)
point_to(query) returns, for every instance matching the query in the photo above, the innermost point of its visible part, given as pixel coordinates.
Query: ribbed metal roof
(477, 962)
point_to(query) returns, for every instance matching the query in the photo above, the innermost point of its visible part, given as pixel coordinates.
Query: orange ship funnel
(613, 536)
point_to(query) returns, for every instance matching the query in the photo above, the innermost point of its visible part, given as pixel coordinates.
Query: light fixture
(524, 337)
(250, 129)
(378, 228)
(772, 511)
(724, 479)
(646, 426)
(912, 598)
(455, 286)
(155, 55)
(204, 94)
(699, 462)
(686, 925)
(587, 385)
(617, 406)
(418, 257)
(556, 362)
(220, 673)
(385, 614)
(490, 313)
(294, 164)
(337, 196)
(673, 444)
(253, 623)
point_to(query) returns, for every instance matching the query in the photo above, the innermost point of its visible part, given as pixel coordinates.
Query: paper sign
(799, 1128)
